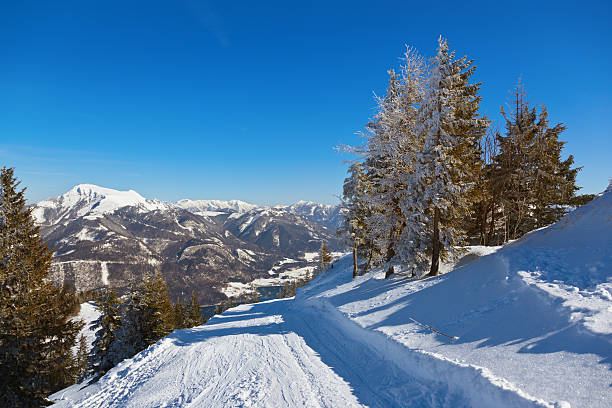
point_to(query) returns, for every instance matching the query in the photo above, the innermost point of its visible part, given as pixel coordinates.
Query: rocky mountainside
(104, 237)
(323, 214)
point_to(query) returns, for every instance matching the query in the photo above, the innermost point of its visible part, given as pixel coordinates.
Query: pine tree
(179, 316)
(325, 256)
(82, 357)
(450, 126)
(101, 357)
(354, 230)
(533, 185)
(129, 338)
(194, 314)
(36, 332)
(156, 309)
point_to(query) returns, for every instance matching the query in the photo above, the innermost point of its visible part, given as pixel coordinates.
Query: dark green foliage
(156, 309)
(36, 333)
(531, 185)
(179, 316)
(194, 313)
(81, 358)
(102, 357)
(325, 256)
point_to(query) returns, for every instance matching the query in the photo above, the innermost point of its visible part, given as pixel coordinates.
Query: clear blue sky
(247, 99)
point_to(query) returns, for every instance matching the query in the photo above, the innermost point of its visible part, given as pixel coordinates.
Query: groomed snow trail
(280, 353)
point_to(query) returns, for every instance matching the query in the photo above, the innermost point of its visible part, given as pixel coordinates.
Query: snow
(95, 201)
(311, 256)
(529, 325)
(88, 314)
(216, 207)
(104, 273)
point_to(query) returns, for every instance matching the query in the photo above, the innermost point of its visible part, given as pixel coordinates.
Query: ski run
(528, 324)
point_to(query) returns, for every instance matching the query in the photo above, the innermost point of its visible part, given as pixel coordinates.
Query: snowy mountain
(277, 229)
(107, 237)
(90, 201)
(213, 207)
(324, 214)
(525, 325)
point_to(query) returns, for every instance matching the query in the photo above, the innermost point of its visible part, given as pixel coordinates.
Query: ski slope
(530, 322)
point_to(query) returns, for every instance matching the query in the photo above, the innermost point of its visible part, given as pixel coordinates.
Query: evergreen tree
(156, 309)
(82, 357)
(354, 230)
(36, 332)
(179, 316)
(101, 357)
(450, 125)
(129, 339)
(533, 185)
(194, 314)
(325, 256)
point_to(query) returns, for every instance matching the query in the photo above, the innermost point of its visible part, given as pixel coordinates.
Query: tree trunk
(389, 256)
(435, 254)
(355, 270)
(389, 272)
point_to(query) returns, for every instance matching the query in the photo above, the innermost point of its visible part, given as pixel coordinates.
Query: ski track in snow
(278, 354)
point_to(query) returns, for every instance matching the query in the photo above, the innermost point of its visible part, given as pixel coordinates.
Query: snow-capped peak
(91, 201)
(111, 198)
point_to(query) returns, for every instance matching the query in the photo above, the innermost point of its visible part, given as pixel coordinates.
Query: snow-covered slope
(528, 325)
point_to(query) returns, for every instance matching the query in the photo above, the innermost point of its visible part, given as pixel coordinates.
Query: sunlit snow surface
(532, 320)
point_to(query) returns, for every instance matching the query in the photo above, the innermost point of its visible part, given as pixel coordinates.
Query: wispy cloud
(210, 20)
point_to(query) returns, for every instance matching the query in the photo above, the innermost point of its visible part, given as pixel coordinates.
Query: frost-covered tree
(36, 332)
(399, 115)
(354, 230)
(129, 338)
(445, 167)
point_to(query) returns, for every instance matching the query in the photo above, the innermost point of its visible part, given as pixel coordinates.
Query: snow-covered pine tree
(129, 339)
(101, 357)
(443, 174)
(36, 332)
(404, 143)
(383, 215)
(353, 231)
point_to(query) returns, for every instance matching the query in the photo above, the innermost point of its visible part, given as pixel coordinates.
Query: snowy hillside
(528, 325)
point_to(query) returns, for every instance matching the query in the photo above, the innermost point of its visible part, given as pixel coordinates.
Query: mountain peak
(91, 201)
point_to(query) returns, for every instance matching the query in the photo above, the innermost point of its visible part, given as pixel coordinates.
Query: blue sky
(247, 100)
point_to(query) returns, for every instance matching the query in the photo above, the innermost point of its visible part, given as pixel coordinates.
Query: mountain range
(105, 237)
